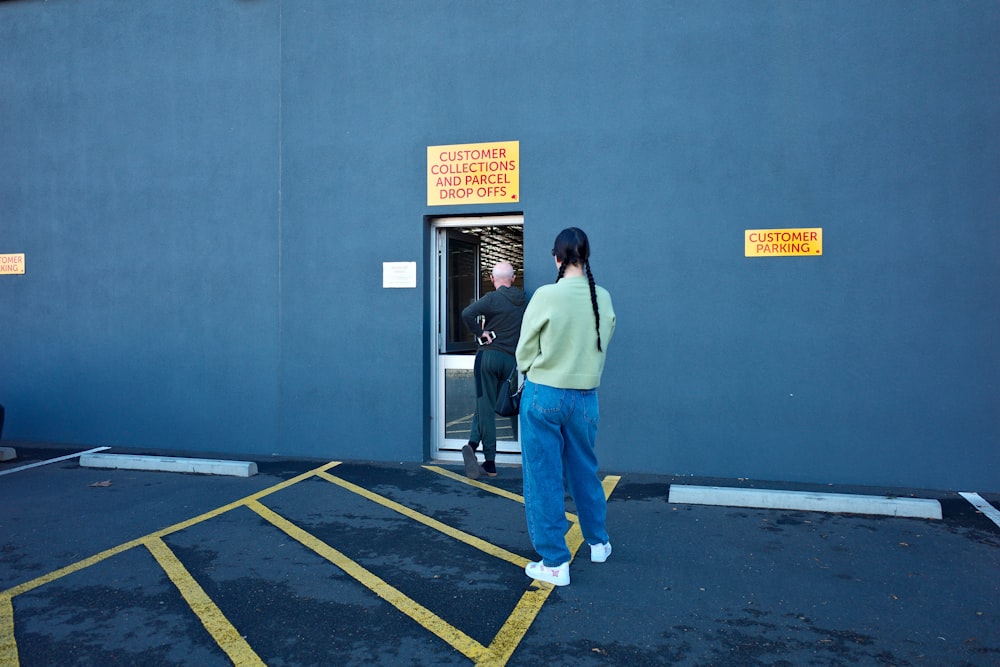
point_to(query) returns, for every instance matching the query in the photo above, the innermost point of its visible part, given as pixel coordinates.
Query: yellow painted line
(517, 624)
(460, 641)
(225, 635)
(472, 482)
(486, 487)
(211, 514)
(460, 420)
(69, 569)
(125, 546)
(609, 483)
(8, 644)
(461, 536)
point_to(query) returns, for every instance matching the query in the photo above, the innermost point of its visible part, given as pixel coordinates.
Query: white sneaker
(600, 552)
(558, 576)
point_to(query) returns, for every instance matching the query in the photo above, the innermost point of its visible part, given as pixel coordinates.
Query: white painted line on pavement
(55, 460)
(980, 504)
(920, 508)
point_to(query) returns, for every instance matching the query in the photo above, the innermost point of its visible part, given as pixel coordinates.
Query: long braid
(593, 301)
(572, 247)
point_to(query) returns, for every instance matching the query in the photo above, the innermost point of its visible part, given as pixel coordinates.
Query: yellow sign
(473, 174)
(12, 263)
(784, 242)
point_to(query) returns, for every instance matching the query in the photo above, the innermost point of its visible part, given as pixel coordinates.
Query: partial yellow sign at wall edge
(12, 264)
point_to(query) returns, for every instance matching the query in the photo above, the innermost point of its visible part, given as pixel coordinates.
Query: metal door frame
(443, 448)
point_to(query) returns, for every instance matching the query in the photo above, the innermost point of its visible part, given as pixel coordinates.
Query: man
(495, 320)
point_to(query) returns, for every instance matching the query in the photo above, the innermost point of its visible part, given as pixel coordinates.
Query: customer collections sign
(473, 174)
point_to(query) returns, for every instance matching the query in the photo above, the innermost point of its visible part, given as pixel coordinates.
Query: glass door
(465, 250)
(460, 287)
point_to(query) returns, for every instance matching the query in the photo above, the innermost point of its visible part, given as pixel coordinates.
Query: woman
(564, 335)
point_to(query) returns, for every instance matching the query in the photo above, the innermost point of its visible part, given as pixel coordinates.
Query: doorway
(464, 250)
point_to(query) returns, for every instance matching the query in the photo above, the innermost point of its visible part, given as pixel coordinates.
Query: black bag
(509, 398)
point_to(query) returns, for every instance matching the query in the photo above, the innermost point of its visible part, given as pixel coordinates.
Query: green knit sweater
(558, 344)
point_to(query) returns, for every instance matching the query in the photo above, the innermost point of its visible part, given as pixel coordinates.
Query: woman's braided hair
(573, 247)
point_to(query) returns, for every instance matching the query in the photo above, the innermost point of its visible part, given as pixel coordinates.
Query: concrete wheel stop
(920, 508)
(169, 464)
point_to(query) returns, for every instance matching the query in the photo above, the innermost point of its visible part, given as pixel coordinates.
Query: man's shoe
(557, 576)
(471, 464)
(490, 468)
(600, 552)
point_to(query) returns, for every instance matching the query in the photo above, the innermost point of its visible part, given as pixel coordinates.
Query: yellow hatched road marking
(8, 642)
(520, 619)
(125, 546)
(460, 641)
(461, 536)
(225, 635)
(496, 654)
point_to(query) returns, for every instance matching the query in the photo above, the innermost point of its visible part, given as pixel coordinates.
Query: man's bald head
(503, 274)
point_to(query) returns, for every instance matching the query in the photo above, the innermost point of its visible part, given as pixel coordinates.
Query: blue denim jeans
(558, 433)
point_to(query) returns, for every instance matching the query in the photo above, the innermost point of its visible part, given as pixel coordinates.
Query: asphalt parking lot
(356, 563)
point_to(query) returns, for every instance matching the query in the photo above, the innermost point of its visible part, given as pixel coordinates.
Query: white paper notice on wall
(399, 274)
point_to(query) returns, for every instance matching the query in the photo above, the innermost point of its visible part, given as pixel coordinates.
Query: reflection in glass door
(466, 249)
(460, 287)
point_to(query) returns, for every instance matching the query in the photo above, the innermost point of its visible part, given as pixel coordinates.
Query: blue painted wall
(205, 193)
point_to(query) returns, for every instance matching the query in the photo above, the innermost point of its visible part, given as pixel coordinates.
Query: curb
(920, 508)
(169, 464)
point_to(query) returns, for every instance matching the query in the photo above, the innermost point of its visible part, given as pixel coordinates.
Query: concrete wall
(205, 193)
